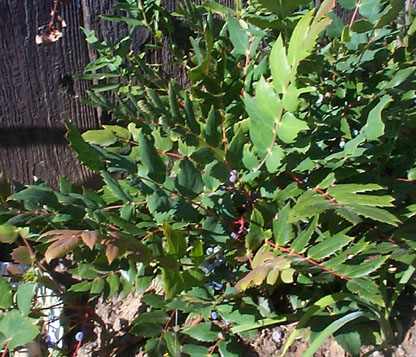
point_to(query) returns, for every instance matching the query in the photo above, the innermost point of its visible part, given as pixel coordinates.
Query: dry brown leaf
(90, 238)
(61, 246)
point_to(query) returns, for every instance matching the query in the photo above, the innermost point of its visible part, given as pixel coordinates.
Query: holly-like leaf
(189, 180)
(151, 159)
(375, 126)
(290, 127)
(18, 328)
(22, 255)
(85, 152)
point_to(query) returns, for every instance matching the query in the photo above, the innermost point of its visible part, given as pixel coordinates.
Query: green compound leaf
(85, 153)
(290, 127)
(329, 246)
(18, 328)
(375, 126)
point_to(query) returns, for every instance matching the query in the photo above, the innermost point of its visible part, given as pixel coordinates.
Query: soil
(117, 315)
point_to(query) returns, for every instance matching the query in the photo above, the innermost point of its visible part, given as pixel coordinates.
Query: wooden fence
(38, 91)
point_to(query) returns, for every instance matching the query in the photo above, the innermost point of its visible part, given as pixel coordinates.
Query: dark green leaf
(151, 159)
(85, 153)
(189, 180)
(156, 347)
(204, 331)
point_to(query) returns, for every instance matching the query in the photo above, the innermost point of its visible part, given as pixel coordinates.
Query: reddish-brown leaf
(61, 246)
(21, 255)
(112, 252)
(90, 238)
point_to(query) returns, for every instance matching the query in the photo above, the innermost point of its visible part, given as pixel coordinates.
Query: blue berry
(233, 235)
(233, 176)
(79, 336)
(218, 286)
(227, 322)
(214, 315)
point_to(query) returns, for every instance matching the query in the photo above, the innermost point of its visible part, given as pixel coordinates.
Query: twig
(165, 328)
(309, 260)
(354, 15)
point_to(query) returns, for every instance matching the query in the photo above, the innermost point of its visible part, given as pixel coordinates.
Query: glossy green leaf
(99, 137)
(173, 282)
(114, 282)
(290, 127)
(172, 343)
(329, 246)
(264, 111)
(156, 347)
(375, 126)
(238, 36)
(256, 234)
(18, 328)
(115, 187)
(279, 66)
(362, 269)
(301, 241)
(190, 116)
(282, 229)
(97, 286)
(329, 330)
(273, 162)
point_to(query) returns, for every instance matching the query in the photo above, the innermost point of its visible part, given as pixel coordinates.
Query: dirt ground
(116, 341)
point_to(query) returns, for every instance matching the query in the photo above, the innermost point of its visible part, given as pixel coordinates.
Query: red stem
(310, 261)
